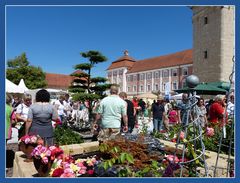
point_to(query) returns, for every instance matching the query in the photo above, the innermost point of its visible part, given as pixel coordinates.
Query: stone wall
(213, 34)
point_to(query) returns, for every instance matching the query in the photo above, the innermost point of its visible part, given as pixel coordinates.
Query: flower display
(209, 132)
(31, 139)
(66, 166)
(46, 153)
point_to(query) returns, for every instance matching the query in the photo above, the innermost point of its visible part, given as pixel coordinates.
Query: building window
(134, 88)
(149, 75)
(121, 72)
(165, 73)
(156, 87)
(135, 78)
(141, 76)
(120, 79)
(128, 88)
(128, 78)
(174, 85)
(148, 87)
(174, 72)
(163, 86)
(114, 80)
(156, 74)
(205, 20)
(115, 73)
(185, 71)
(205, 54)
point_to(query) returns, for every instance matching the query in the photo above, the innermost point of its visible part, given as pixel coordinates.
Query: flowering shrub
(65, 166)
(31, 139)
(46, 153)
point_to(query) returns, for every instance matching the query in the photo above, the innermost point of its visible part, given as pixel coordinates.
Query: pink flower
(45, 160)
(82, 171)
(67, 175)
(80, 164)
(33, 139)
(171, 158)
(94, 160)
(27, 140)
(209, 132)
(182, 135)
(68, 170)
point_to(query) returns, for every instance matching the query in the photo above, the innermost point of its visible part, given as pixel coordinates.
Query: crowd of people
(40, 117)
(113, 117)
(113, 114)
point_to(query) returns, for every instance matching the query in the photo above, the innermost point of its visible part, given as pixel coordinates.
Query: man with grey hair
(111, 109)
(217, 110)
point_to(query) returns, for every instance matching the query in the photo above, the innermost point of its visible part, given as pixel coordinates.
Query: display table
(27, 169)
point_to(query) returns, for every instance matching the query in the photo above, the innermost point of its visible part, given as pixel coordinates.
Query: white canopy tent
(22, 85)
(13, 88)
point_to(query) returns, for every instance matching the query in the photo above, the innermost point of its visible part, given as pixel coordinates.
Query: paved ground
(11, 149)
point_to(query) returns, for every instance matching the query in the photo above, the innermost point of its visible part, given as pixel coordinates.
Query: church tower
(213, 42)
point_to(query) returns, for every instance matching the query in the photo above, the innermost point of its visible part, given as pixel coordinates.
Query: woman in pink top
(173, 116)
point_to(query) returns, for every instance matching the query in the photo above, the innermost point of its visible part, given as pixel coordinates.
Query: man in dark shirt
(142, 104)
(158, 114)
(130, 112)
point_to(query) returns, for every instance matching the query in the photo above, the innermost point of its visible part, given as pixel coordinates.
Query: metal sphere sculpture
(192, 81)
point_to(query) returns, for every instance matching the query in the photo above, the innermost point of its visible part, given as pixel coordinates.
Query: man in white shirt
(230, 107)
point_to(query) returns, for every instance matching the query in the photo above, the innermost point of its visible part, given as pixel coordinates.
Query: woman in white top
(59, 104)
(22, 114)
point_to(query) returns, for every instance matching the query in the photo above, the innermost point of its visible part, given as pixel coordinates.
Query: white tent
(13, 88)
(22, 85)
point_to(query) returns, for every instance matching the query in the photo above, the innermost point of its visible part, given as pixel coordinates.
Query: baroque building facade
(158, 74)
(210, 59)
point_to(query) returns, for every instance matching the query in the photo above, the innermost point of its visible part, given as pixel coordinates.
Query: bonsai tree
(84, 86)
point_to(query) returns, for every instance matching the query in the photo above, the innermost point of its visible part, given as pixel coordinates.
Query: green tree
(19, 68)
(86, 87)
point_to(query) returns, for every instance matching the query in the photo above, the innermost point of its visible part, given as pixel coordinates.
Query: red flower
(90, 172)
(57, 172)
(184, 160)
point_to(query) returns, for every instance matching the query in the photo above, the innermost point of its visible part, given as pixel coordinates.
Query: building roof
(170, 60)
(58, 81)
(124, 61)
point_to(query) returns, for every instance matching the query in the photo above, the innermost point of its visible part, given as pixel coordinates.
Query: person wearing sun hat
(158, 113)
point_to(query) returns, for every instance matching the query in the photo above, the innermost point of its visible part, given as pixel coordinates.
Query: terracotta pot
(27, 149)
(42, 168)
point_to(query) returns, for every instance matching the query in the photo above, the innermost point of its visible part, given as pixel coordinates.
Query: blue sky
(54, 36)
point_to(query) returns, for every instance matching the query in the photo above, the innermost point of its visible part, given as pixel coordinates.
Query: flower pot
(42, 168)
(27, 150)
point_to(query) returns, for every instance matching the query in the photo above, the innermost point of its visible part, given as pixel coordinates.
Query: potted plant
(43, 158)
(27, 143)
